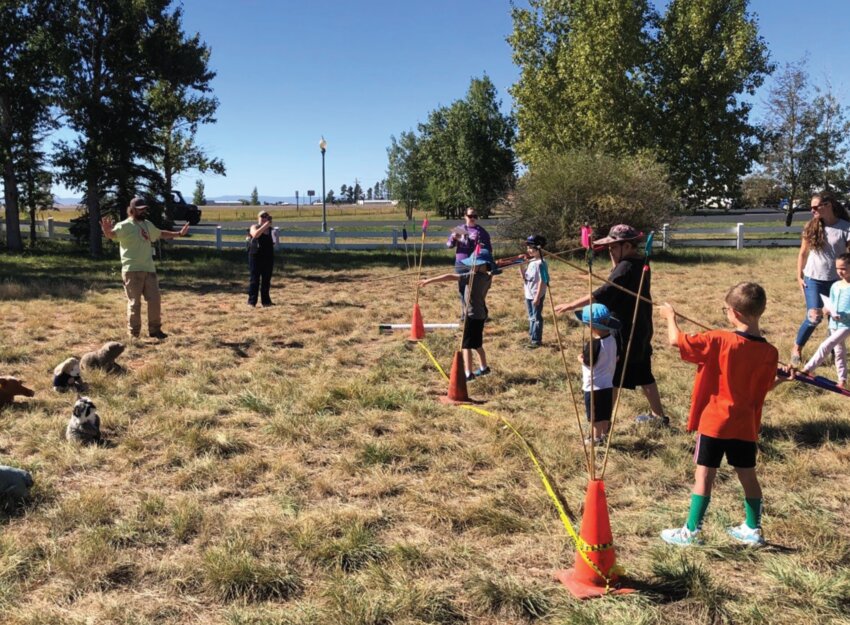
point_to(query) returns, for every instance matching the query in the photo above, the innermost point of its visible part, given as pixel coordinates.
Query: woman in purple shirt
(464, 239)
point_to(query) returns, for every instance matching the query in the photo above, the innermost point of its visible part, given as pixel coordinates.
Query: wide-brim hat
(598, 316)
(484, 257)
(618, 234)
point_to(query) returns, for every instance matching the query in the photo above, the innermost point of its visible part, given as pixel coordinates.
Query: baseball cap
(620, 232)
(137, 203)
(536, 240)
(598, 316)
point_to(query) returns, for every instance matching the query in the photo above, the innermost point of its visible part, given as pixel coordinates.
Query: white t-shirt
(820, 264)
(603, 366)
(532, 278)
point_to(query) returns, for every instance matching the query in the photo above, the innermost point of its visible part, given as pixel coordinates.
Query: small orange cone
(417, 327)
(583, 580)
(457, 383)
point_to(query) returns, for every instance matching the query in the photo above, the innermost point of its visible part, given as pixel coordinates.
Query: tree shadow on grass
(809, 433)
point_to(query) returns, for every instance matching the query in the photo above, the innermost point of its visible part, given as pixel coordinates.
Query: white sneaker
(745, 534)
(681, 536)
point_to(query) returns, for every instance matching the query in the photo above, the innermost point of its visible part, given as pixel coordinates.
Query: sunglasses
(472, 216)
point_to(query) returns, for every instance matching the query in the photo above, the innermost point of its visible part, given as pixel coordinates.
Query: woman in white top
(825, 237)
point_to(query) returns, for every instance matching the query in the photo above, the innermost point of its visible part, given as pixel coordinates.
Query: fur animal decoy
(67, 376)
(104, 358)
(15, 484)
(11, 387)
(84, 425)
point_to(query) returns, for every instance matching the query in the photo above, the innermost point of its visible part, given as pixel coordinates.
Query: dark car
(182, 210)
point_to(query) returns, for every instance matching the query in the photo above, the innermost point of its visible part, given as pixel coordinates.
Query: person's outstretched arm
(168, 234)
(673, 331)
(446, 277)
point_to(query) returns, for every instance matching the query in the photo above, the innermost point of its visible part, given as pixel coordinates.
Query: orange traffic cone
(457, 383)
(595, 576)
(417, 327)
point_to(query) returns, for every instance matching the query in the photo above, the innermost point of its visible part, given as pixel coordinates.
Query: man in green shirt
(136, 236)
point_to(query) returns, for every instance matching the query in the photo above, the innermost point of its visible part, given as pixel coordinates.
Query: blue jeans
(535, 319)
(814, 289)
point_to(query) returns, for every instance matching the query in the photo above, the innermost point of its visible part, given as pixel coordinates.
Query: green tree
(112, 61)
(30, 53)
(791, 126)
(708, 54)
(568, 189)
(198, 197)
(759, 190)
(581, 83)
(829, 142)
(329, 198)
(368, 193)
(255, 197)
(343, 192)
(467, 154)
(358, 191)
(405, 174)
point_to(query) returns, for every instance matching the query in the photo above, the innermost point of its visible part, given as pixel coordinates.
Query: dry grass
(292, 466)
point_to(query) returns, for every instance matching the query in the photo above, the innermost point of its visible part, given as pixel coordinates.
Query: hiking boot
(681, 537)
(159, 334)
(746, 535)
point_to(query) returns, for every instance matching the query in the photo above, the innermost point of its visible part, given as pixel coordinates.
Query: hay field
(290, 465)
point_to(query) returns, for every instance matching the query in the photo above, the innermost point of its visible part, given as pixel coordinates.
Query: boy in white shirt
(605, 346)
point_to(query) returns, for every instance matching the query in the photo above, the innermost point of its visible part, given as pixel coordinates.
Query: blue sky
(358, 71)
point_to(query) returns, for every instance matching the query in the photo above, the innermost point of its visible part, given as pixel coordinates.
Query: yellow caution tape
(434, 360)
(582, 547)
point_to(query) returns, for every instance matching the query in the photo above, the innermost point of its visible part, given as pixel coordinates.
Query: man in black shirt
(628, 267)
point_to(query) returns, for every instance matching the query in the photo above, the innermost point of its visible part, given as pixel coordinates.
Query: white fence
(739, 237)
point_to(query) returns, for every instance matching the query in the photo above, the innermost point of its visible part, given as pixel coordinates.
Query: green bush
(559, 195)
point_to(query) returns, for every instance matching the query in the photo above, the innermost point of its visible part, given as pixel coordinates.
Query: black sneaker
(470, 377)
(480, 372)
(159, 334)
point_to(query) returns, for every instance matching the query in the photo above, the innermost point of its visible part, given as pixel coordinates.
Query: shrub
(567, 190)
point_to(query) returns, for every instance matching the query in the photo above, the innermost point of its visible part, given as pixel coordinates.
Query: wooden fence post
(664, 234)
(739, 236)
(395, 238)
(218, 237)
(50, 230)
(332, 233)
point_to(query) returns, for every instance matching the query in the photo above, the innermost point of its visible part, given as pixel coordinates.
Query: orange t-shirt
(734, 375)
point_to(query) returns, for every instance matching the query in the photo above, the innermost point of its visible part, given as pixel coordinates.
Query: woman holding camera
(261, 260)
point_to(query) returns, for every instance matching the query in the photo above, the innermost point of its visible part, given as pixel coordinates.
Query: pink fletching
(425, 225)
(477, 250)
(586, 233)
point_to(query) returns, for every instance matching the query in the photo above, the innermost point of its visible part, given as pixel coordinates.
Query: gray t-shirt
(821, 263)
(477, 308)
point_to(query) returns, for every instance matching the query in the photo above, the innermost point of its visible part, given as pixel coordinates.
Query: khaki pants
(138, 284)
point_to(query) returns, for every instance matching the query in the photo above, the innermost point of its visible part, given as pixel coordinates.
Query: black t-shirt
(265, 246)
(627, 274)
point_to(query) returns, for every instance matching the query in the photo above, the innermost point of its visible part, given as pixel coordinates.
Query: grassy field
(290, 465)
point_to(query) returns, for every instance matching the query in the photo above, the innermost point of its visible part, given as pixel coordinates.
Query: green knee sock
(753, 509)
(699, 504)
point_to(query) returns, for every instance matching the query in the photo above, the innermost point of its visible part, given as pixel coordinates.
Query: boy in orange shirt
(736, 369)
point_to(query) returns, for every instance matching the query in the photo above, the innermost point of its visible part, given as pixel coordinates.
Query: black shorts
(739, 454)
(603, 404)
(473, 333)
(638, 373)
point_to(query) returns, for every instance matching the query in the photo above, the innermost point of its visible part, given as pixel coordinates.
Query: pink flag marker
(477, 250)
(425, 225)
(586, 235)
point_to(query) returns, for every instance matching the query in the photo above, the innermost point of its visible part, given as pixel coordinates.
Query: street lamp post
(323, 145)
